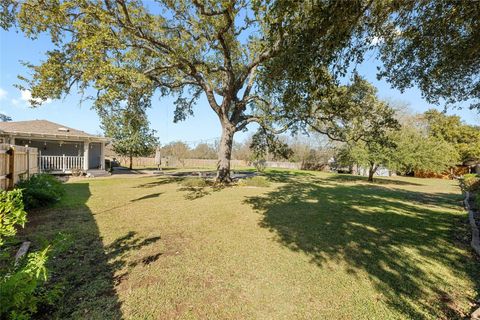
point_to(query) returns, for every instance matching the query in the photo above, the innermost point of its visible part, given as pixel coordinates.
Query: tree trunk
(371, 172)
(131, 162)
(225, 154)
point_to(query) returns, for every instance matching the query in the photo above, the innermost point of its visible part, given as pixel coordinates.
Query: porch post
(102, 156)
(86, 147)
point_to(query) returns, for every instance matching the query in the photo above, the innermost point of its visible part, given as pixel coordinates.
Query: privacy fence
(16, 163)
(149, 162)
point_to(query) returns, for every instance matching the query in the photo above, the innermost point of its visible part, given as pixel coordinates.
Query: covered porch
(61, 149)
(65, 157)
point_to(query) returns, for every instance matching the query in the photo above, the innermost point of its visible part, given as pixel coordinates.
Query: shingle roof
(42, 127)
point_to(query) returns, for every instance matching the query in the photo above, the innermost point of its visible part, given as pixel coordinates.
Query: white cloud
(15, 102)
(3, 94)
(26, 96)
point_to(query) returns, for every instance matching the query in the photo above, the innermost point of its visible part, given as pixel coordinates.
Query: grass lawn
(309, 246)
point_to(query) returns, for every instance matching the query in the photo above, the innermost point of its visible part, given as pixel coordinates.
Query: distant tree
(203, 151)
(416, 151)
(371, 155)
(464, 138)
(409, 150)
(177, 150)
(129, 128)
(242, 151)
(365, 126)
(5, 118)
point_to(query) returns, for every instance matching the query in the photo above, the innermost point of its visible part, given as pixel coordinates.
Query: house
(60, 149)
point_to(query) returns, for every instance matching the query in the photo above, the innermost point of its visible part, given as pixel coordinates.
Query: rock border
(475, 232)
(475, 243)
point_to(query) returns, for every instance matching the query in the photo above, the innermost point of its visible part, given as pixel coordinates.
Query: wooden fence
(149, 162)
(16, 163)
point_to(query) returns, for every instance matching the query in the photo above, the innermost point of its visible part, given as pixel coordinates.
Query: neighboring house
(61, 149)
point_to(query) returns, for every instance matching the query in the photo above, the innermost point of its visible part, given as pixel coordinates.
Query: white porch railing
(59, 163)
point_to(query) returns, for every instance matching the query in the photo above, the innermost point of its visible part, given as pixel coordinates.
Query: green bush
(41, 190)
(194, 183)
(254, 182)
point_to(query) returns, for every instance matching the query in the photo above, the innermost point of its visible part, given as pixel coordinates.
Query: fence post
(28, 163)
(63, 163)
(11, 168)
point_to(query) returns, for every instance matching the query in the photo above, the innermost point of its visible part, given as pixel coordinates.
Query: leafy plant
(21, 291)
(41, 190)
(12, 213)
(19, 284)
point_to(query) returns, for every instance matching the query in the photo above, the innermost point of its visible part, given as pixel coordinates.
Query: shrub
(470, 182)
(194, 183)
(254, 182)
(260, 165)
(41, 190)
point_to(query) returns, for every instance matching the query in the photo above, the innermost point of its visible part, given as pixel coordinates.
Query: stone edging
(475, 241)
(475, 232)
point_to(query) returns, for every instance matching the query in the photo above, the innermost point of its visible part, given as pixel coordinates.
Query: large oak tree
(187, 48)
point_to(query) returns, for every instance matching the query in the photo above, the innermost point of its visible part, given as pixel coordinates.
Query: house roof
(45, 128)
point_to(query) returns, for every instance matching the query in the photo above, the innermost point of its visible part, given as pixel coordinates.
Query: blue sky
(14, 48)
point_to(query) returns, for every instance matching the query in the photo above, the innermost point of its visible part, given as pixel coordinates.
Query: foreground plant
(22, 280)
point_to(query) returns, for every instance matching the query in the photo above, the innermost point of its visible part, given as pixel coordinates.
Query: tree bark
(371, 172)
(225, 154)
(131, 162)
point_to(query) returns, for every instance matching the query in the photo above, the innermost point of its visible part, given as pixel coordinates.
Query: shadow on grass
(159, 182)
(148, 196)
(377, 180)
(86, 271)
(375, 230)
(196, 192)
(283, 175)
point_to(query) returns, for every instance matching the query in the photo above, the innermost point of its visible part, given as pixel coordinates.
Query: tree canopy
(434, 45)
(276, 63)
(187, 48)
